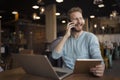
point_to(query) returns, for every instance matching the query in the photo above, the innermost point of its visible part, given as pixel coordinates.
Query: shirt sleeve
(94, 48)
(56, 55)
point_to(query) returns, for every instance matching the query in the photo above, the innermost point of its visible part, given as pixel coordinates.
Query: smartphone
(68, 20)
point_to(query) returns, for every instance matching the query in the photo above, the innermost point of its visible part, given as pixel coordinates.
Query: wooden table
(19, 74)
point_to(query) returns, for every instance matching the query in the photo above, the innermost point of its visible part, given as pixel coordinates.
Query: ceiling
(24, 7)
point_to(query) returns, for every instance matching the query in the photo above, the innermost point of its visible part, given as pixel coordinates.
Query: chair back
(26, 51)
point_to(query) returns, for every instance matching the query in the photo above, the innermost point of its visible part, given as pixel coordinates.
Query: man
(78, 44)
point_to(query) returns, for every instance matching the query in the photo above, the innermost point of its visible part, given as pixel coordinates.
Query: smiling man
(78, 44)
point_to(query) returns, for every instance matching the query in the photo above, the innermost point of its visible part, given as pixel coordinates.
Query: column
(0, 40)
(86, 24)
(51, 31)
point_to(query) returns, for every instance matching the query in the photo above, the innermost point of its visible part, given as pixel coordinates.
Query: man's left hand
(98, 70)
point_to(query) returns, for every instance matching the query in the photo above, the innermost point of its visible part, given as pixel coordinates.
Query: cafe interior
(33, 26)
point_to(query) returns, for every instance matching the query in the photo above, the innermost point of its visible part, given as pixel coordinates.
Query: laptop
(40, 65)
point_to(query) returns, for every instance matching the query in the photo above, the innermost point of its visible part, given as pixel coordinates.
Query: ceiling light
(35, 7)
(0, 17)
(101, 5)
(37, 17)
(114, 13)
(111, 15)
(42, 10)
(57, 14)
(92, 16)
(96, 2)
(63, 21)
(34, 16)
(103, 27)
(14, 12)
(95, 25)
(59, 1)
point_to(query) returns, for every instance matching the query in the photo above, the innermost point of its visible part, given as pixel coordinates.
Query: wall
(109, 37)
(111, 25)
(35, 35)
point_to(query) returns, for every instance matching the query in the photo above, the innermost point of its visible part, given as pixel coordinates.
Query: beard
(77, 30)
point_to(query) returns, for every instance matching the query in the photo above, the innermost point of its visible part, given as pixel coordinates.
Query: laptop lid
(39, 65)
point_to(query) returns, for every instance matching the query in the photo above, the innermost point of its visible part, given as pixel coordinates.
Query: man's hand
(98, 70)
(68, 29)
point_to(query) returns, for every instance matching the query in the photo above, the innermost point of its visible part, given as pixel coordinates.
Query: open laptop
(40, 65)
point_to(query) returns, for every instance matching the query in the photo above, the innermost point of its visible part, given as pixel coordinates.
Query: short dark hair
(74, 9)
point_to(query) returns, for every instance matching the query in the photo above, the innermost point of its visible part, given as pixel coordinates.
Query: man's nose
(78, 19)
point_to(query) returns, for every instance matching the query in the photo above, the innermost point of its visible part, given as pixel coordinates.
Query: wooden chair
(26, 51)
(106, 61)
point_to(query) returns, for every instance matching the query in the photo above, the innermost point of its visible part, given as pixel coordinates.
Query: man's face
(77, 19)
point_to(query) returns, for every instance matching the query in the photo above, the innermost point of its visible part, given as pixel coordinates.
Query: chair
(116, 53)
(109, 56)
(103, 55)
(26, 51)
(6, 65)
(106, 62)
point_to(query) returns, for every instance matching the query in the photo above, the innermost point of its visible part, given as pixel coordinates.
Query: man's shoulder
(89, 34)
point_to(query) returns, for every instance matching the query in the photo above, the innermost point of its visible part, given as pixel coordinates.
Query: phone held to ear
(72, 29)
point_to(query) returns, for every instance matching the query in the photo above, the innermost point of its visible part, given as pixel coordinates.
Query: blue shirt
(86, 46)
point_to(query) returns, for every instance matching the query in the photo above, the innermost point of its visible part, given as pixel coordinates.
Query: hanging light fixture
(59, 1)
(96, 2)
(103, 28)
(0, 17)
(35, 7)
(41, 4)
(42, 9)
(114, 13)
(95, 25)
(34, 16)
(39, 1)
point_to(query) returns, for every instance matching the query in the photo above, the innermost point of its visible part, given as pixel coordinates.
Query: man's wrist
(65, 37)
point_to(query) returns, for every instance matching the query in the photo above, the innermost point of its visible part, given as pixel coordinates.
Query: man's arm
(60, 45)
(98, 70)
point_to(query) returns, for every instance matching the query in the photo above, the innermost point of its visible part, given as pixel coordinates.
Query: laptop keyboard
(60, 73)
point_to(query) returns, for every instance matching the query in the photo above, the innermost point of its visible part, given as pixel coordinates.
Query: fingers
(98, 70)
(70, 25)
(68, 29)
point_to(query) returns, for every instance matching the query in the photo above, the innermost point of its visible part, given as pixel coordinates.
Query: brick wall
(35, 35)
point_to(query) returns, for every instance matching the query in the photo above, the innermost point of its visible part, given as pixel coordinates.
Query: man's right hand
(60, 45)
(70, 25)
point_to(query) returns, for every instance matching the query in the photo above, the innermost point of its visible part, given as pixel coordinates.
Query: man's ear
(83, 21)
